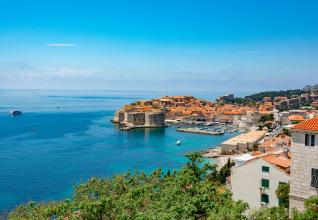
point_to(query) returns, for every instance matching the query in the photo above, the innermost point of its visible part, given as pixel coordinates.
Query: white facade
(246, 182)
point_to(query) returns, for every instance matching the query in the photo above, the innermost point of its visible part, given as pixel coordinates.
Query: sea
(63, 138)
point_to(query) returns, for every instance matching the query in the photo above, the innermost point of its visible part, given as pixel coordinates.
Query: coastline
(81, 145)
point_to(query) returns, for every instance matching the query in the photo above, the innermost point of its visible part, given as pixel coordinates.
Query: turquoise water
(47, 150)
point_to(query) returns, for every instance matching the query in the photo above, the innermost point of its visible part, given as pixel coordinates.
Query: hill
(288, 93)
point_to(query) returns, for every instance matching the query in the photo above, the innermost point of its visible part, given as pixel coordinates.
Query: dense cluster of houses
(295, 102)
(191, 109)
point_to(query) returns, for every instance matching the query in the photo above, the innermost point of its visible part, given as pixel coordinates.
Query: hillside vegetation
(288, 93)
(192, 192)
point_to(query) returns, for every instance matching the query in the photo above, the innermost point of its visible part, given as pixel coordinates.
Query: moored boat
(15, 112)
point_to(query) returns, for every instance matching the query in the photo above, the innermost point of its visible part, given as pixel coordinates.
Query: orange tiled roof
(308, 125)
(278, 160)
(267, 143)
(289, 154)
(256, 153)
(296, 118)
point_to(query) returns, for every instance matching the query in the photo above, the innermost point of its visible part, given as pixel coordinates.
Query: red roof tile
(278, 160)
(309, 125)
(296, 118)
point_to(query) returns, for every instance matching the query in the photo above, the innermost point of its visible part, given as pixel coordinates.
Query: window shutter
(314, 178)
(312, 140)
(265, 183)
(306, 139)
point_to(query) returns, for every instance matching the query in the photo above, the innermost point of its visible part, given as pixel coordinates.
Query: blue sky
(227, 46)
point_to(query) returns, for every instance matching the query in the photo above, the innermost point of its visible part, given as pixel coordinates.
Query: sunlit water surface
(65, 137)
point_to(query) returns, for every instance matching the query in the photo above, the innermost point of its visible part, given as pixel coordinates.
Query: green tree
(275, 213)
(311, 210)
(187, 193)
(282, 193)
(281, 213)
(225, 171)
(266, 118)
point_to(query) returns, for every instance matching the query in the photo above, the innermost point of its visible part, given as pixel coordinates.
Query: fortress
(140, 117)
(153, 112)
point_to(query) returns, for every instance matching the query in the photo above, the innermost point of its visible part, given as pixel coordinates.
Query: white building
(304, 164)
(256, 181)
(243, 142)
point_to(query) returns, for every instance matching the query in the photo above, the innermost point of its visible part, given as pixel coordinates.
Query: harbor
(208, 128)
(200, 131)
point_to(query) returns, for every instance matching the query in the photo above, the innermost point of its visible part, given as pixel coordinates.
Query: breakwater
(199, 131)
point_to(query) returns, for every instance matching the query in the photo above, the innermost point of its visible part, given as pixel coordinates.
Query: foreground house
(256, 180)
(304, 165)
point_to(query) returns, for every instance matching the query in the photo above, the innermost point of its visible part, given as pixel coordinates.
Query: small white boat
(15, 112)
(178, 142)
(125, 129)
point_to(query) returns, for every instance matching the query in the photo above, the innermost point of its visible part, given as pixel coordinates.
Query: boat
(178, 142)
(15, 112)
(208, 123)
(125, 129)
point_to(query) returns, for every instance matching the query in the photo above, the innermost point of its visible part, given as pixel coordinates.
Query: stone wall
(154, 119)
(119, 116)
(140, 119)
(134, 118)
(304, 158)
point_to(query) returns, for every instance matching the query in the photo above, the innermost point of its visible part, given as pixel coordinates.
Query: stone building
(137, 118)
(242, 143)
(250, 119)
(304, 163)
(267, 99)
(226, 99)
(133, 119)
(119, 116)
(154, 119)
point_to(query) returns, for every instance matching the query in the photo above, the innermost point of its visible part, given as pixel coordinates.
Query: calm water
(48, 150)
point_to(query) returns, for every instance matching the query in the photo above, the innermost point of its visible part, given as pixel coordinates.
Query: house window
(312, 140)
(314, 178)
(265, 198)
(265, 183)
(265, 169)
(280, 202)
(307, 139)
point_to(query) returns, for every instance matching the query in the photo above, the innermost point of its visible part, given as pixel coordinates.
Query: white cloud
(69, 72)
(61, 45)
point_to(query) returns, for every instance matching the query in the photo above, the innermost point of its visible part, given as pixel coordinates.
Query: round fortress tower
(119, 116)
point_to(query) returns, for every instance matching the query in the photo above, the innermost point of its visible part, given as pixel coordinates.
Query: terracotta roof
(296, 118)
(278, 160)
(256, 153)
(267, 143)
(308, 125)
